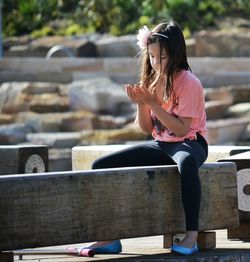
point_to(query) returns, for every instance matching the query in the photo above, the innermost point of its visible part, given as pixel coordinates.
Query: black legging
(189, 155)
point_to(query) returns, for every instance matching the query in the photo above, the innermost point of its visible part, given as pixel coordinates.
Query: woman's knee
(188, 164)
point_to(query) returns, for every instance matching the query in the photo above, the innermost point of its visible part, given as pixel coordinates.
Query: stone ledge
(83, 156)
(225, 71)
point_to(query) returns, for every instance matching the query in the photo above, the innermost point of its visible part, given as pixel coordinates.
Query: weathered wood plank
(22, 159)
(241, 232)
(74, 207)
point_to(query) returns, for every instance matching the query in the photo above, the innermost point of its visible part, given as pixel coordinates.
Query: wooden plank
(207, 240)
(75, 207)
(22, 159)
(239, 232)
(167, 240)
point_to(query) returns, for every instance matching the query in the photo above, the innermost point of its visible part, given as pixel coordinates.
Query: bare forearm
(176, 125)
(144, 118)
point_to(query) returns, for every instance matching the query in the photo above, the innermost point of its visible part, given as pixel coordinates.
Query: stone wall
(97, 111)
(229, 42)
(61, 116)
(212, 71)
(64, 102)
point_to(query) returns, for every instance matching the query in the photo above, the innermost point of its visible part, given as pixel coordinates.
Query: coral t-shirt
(189, 102)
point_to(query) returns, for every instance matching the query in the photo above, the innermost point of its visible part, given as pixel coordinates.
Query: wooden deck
(147, 249)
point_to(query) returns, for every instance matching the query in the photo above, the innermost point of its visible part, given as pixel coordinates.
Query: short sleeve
(189, 99)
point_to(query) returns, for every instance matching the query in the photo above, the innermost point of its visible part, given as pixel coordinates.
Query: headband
(143, 36)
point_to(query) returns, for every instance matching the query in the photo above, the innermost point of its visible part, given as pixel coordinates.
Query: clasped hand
(141, 95)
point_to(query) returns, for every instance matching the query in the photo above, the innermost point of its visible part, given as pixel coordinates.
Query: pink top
(190, 103)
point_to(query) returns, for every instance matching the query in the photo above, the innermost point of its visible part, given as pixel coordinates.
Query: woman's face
(158, 58)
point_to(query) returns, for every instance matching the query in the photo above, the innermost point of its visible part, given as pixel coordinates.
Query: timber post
(242, 161)
(21, 159)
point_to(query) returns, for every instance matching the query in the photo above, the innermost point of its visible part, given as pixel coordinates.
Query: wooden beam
(22, 159)
(207, 240)
(242, 162)
(240, 232)
(74, 207)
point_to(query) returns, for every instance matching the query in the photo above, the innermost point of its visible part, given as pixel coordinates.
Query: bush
(114, 16)
(74, 29)
(45, 31)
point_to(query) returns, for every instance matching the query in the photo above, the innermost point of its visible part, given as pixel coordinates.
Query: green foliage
(45, 31)
(24, 16)
(186, 33)
(74, 29)
(36, 17)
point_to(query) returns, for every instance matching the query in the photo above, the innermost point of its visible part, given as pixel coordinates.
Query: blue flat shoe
(113, 248)
(184, 250)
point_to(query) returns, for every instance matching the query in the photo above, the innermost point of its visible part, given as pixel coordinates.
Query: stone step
(83, 156)
(214, 71)
(227, 130)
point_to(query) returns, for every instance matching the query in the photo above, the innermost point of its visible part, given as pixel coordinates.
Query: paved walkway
(149, 249)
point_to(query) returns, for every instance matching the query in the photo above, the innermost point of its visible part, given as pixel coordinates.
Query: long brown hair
(174, 44)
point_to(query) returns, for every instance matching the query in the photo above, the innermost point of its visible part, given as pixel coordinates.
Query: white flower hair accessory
(143, 35)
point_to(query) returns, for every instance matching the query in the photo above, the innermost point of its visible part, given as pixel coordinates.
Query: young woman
(171, 107)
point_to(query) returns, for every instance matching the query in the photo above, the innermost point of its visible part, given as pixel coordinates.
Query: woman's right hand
(133, 94)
